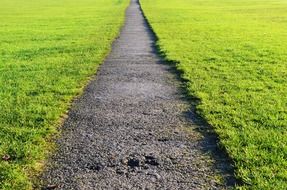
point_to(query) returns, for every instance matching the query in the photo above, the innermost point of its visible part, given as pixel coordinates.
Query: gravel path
(132, 128)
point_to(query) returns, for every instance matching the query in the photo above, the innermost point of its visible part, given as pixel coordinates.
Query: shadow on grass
(210, 144)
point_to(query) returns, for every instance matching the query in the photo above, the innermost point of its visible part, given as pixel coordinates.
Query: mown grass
(48, 51)
(233, 54)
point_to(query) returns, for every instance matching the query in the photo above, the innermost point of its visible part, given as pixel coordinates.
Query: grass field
(48, 51)
(233, 54)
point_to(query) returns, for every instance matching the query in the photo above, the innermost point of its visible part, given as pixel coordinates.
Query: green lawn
(48, 51)
(234, 55)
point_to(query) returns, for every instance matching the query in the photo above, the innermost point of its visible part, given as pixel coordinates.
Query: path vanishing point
(132, 128)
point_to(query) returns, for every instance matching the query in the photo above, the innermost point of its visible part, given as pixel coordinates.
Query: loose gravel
(133, 128)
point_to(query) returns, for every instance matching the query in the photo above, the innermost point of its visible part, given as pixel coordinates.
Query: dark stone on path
(163, 139)
(50, 187)
(133, 162)
(96, 167)
(151, 160)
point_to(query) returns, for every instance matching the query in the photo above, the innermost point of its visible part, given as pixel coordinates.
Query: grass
(233, 54)
(48, 51)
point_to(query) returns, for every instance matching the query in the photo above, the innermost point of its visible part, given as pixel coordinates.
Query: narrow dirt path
(132, 128)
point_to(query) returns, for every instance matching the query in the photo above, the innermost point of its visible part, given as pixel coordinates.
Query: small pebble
(6, 157)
